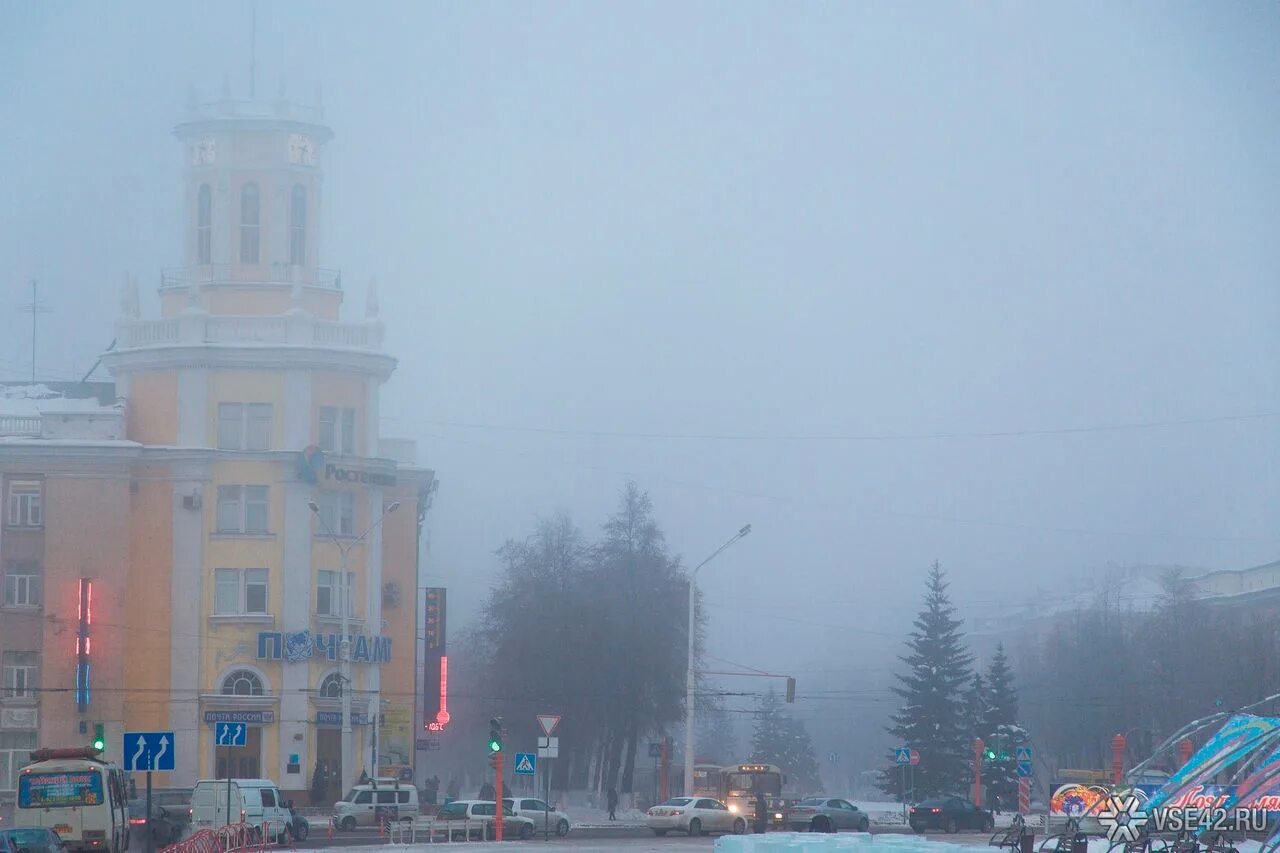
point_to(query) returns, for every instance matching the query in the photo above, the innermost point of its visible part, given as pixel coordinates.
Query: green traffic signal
(495, 734)
(99, 737)
(990, 754)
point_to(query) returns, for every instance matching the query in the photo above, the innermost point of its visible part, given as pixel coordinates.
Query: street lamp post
(688, 676)
(344, 644)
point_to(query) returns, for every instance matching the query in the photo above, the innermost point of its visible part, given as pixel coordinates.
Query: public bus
(740, 783)
(79, 796)
(706, 781)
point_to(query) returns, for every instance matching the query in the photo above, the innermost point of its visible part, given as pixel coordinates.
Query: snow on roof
(31, 401)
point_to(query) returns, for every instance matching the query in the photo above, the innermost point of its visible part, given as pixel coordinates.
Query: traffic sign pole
(147, 841)
(497, 788)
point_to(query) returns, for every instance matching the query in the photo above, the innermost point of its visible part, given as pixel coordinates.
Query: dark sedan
(950, 814)
(168, 824)
(30, 840)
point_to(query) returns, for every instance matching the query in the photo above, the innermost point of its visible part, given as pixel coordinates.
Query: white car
(476, 818)
(542, 817)
(694, 816)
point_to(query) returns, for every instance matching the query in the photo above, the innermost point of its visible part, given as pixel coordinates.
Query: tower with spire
(255, 408)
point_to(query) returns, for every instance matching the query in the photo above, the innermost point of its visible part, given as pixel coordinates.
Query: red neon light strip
(88, 610)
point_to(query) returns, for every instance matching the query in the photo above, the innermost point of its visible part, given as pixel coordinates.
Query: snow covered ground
(774, 842)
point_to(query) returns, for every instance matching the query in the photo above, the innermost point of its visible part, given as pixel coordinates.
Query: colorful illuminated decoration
(1076, 800)
(1242, 734)
(84, 619)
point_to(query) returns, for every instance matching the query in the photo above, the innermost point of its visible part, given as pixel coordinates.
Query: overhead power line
(920, 436)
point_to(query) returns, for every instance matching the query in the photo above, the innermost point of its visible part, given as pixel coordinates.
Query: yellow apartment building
(180, 497)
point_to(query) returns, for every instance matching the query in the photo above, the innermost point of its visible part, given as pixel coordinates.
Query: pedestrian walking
(762, 812)
(613, 804)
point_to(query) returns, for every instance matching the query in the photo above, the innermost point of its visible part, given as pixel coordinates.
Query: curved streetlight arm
(688, 675)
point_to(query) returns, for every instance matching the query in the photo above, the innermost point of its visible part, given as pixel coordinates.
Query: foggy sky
(740, 219)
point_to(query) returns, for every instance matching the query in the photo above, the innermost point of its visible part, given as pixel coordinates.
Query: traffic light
(990, 754)
(791, 690)
(495, 734)
(99, 737)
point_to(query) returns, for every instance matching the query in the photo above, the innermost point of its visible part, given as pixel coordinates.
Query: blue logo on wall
(298, 646)
(310, 464)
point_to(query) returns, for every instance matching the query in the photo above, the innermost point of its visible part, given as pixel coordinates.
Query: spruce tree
(779, 739)
(932, 716)
(1001, 732)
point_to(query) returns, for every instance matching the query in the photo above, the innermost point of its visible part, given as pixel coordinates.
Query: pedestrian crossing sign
(526, 763)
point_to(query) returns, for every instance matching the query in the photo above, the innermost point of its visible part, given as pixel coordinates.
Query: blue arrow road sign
(230, 734)
(902, 755)
(1024, 753)
(148, 750)
(1024, 769)
(526, 763)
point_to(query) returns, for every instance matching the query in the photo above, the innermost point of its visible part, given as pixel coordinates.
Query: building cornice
(250, 357)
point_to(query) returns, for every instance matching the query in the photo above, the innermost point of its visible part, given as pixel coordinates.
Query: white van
(256, 802)
(363, 805)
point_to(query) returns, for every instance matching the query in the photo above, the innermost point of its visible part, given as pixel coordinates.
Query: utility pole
(689, 675)
(344, 643)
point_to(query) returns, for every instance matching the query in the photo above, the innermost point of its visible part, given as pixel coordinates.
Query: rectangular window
(230, 418)
(244, 426)
(238, 592)
(26, 509)
(257, 432)
(337, 512)
(327, 593)
(242, 509)
(230, 510)
(255, 509)
(21, 674)
(226, 591)
(255, 590)
(15, 753)
(22, 585)
(337, 429)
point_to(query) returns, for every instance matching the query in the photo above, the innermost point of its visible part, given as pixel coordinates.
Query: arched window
(331, 686)
(204, 225)
(298, 226)
(250, 223)
(242, 682)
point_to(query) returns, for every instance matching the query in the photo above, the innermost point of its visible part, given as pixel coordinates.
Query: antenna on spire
(35, 307)
(253, 53)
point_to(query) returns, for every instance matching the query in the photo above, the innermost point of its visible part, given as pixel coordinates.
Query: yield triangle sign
(548, 723)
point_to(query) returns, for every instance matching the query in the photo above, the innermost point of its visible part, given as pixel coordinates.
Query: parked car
(544, 819)
(825, 814)
(381, 799)
(256, 802)
(31, 839)
(167, 825)
(477, 819)
(950, 814)
(694, 816)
